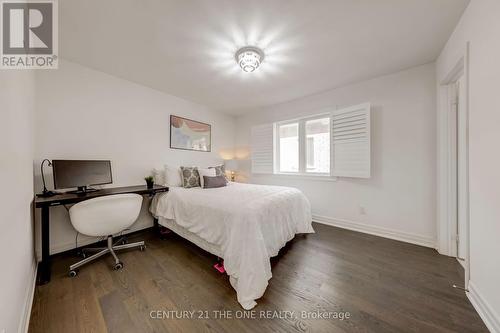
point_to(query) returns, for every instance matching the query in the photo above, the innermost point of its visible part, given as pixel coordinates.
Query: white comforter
(250, 223)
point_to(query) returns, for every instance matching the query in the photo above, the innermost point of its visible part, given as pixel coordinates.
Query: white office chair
(103, 217)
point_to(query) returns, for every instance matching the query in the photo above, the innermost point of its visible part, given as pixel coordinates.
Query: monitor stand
(83, 190)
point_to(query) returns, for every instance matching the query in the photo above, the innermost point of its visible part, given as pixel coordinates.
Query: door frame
(447, 215)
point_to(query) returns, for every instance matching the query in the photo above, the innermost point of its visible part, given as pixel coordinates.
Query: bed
(244, 224)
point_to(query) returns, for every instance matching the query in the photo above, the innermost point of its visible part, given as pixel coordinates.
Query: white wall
(399, 199)
(87, 114)
(480, 25)
(16, 178)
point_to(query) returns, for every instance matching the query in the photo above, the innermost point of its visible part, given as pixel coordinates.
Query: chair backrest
(104, 216)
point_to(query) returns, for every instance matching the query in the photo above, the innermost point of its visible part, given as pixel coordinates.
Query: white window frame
(302, 147)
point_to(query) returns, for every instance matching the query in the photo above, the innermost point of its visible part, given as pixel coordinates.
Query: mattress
(193, 238)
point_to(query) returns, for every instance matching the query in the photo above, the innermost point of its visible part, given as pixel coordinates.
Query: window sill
(321, 178)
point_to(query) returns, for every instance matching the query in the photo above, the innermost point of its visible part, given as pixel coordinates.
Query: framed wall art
(189, 134)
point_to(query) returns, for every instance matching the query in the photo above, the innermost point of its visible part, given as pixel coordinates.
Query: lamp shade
(231, 165)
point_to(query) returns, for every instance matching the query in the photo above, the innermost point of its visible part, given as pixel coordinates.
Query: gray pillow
(213, 182)
(190, 177)
(220, 170)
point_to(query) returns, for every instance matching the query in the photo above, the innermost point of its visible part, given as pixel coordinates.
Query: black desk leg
(159, 230)
(44, 265)
(156, 226)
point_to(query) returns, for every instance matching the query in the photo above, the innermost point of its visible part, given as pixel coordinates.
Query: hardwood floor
(385, 285)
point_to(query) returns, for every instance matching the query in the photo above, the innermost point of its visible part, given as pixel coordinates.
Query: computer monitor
(81, 173)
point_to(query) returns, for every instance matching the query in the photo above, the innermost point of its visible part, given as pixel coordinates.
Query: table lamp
(231, 166)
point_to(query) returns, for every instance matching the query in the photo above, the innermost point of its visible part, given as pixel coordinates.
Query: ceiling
(186, 47)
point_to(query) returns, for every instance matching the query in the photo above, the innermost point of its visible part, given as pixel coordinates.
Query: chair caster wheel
(142, 248)
(118, 266)
(72, 273)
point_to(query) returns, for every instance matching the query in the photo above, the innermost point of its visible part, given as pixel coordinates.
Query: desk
(66, 199)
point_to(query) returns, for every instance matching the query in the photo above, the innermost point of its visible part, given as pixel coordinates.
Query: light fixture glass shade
(249, 58)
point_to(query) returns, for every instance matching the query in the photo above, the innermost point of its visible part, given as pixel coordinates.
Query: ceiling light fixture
(249, 58)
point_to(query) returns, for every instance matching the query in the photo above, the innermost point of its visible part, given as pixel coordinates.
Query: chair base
(105, 250)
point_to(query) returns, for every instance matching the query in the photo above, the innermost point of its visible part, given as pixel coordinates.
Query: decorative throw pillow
(214, 182)
(190, 177)
(205, 172)
(159, 177)
(220, 170)
(172, 176)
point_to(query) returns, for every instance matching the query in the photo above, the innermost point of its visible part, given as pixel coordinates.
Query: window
(289, 147)
(310, 152)
(336, 144)
(303, 146)
(318, 145)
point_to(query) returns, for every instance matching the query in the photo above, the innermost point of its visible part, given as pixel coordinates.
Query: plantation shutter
(351, 142)
(262, 148)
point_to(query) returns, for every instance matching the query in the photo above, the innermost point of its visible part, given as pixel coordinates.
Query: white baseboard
(28, 301)
(490, 318)
(377, 231)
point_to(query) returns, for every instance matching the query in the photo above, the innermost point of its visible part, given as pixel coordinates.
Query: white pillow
(172, 176)
(205, 172)
(159, 177)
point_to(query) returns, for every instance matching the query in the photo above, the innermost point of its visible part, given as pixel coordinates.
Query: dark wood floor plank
(116, 315)
(385, 285)
(89, 317)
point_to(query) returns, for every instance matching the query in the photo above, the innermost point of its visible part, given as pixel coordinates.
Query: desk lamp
(45, 193)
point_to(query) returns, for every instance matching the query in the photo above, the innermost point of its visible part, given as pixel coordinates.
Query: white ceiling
(186, 47)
